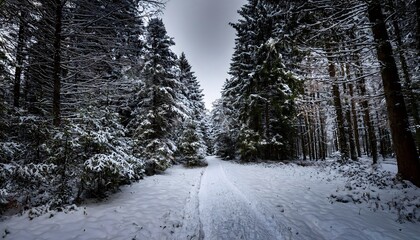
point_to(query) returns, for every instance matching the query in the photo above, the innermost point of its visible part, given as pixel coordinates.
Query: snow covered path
(226, 213)
(223, 201)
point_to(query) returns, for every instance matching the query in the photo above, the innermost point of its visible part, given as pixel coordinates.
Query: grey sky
(201, 30)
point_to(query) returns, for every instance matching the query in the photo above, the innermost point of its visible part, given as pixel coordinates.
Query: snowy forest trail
(226, 213)
(225, 200)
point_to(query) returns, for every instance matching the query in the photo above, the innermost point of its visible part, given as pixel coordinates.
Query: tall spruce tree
(261, 88)
(193, 146)
(223, 129)
(156, 108)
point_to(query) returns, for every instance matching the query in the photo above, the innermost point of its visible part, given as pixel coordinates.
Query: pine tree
(4, 79)
(223, 130)
(194, 104)
(156, 110)
(192, 145)
(261, 88)
(407, 158)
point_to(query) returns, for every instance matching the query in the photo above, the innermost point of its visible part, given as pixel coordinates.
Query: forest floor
(227, 200)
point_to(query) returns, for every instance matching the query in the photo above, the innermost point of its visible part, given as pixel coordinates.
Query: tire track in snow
(225, 211)
(191, 228)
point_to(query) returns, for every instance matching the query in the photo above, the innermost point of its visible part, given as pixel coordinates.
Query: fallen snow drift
(232, 201)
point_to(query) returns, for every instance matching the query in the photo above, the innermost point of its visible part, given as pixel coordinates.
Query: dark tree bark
(342, 142)
(302, 133)
(323, 137)
(19, 58)
(371, 143)
(382, 143)
(341, 131)
(308, 135)
(353, 152)
(347, 114)
(418, 26)
(57, 64)
(405, 148)
(406, 75)
(354, 120)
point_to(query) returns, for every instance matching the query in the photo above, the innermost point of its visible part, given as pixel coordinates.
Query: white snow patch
(232, 201)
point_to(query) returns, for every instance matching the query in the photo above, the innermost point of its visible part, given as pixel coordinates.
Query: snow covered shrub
(192, 146)
(248, 141)
(10, 151)
(379, 189)
(155, 147)
(337, 156)
(108, 171)
(159, 154)
(105, 154)
(26, 185)
(5, 175)
(34, 133)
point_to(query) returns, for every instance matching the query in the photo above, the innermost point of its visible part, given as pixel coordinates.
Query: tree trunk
(341, 131)
(382, 144)
(354, 120)
(308, 134)
(418, 27)
(406, 75)
(323, 138)
(302, 133)
(405, 148)
(349, 130)
(19, 58)
(57, 64)
(371, 144)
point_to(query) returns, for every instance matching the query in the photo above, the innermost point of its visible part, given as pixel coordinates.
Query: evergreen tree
(407, 157)
(4, 79)
(156, 110)
(195, 107)
(224, 132)
(261, 88)
(192, 145)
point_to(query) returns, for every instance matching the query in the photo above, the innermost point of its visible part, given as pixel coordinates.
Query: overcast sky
(201, 29)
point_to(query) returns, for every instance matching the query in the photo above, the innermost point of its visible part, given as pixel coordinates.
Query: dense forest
(319, 79)
(93, 97)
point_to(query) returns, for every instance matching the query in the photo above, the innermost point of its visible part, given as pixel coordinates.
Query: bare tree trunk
(349, 130)
(418, 26)
(371, 144)
(382, 143)
(302, 133)
(405, 148)
(57, 64)
(365, 141)
(19, 58)
(412, 99)
(341, 132)
(323, 138)
(354, 120)
(308, 134)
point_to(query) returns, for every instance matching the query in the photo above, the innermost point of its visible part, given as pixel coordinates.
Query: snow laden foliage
(156, 106)
(194, 141)
(88, 158)
(261, 90)
(191, 146)
(95, 109)
(167, 107)
(223, 129)
(106, 152)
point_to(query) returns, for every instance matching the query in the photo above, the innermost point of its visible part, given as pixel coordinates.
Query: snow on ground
(153, 208)
(227, 200)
